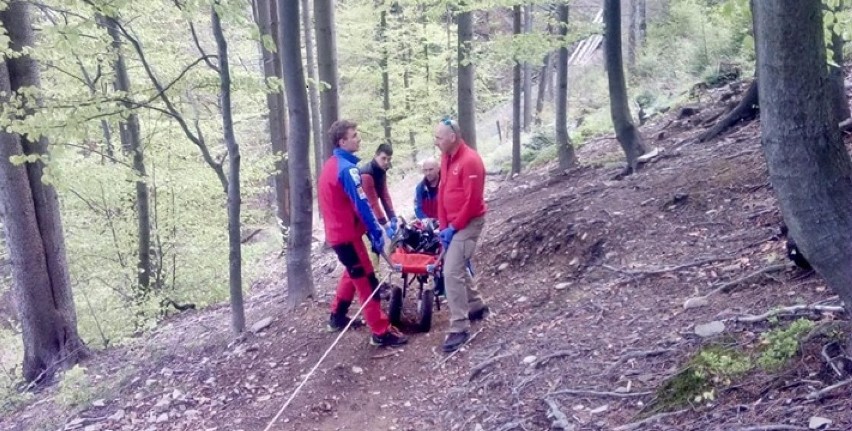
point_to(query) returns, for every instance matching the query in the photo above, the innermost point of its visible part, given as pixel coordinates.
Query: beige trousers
(462, 296)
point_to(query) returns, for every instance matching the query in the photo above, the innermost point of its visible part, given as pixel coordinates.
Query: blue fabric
(447, 236)
(350, 177)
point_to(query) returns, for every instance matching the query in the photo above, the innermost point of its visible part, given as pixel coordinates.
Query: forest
(667, 245)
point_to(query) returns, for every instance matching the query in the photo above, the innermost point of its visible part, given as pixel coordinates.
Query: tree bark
(383, 65)
(131, 143)
(565, 148)
(809, 168)
(326, 67)
(837, 76)
(313, 91)
(632, 33)
(33, 226)
(466, 83)
(300, 284)
(235, 275)
(744, 111)
(543, 80)
(528, 23)
(628, 135)
(267, 14)
(516, 98)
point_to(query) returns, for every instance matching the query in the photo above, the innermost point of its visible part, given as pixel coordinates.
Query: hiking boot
(454, 341)
(480, 314)
(336, 322)
(391, 338)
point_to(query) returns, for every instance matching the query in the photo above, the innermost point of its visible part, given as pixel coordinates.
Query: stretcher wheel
(395, 306)
(424, 310)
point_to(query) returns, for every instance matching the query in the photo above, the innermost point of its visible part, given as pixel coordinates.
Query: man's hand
(447, 236)
(377, 241)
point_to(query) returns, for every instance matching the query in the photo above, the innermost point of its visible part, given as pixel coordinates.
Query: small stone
(562, 286)
(261, 325)
(522, 299)
(98, 403)
(162, 418)
(503, 266)
(818, 423)
(530, 359)
(514, 254)
(117, 416)
(709, 329)
(600, 409)
(698, 301)
(357, 370)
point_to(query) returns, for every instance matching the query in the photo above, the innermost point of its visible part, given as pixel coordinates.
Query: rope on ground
(322, 358)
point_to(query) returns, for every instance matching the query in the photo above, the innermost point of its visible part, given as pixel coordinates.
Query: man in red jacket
(461, 211)
(347, 217)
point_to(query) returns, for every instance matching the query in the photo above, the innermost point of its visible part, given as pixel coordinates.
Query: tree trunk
(643, 25)
(837, 77)
(313, 92)
(466, 84)
(809, 168)
(267, 14)
(543, 79)
(516, 98)
(628, 135)
(131, 143)
(235, 275)
(326, 66)
(565, 149)
(632, 33)
(383, 65)
(300, 284)
(406, 84)
(528, 22)
(744, 111)
(33, 226)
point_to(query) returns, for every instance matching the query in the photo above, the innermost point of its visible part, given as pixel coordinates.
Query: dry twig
(560, 419)
(598, 394)
(643, 422)
(631, 355)
(820, 394)
(475, 371)
(558, 354)
(788, 310)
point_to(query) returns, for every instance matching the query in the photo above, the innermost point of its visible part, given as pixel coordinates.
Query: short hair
(453, 125)
(428, 160)
(385, 148)
(338, 131)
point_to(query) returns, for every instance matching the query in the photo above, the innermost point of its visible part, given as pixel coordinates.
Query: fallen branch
(727, 287)
(559, 354)
(820, 394)
(475, 371)
(598, 393)
(745, 110)
(788, 310)
(773, 427)
(510, 426)
(631, 355)
(655, 271)
(560, 419)
(652, 419)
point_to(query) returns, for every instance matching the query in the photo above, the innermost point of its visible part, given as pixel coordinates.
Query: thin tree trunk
(516, 98)
(33, 226)
(628, 135)
(543, 79)
(326, 66)
(809, 168)
(565, 149)
(299, 276)
(406, 83)
(642, 27)
(528, 22)
(131, 143)
(235, 275)
(267, 16)
(383, 65)
(313, 92)
(450, 48)
(632, 33)
(466, 83)
(837, 77)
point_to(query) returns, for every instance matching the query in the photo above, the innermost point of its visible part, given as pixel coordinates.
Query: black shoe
(480, 314)
(392, 337)
(454, 341)
(336, 323)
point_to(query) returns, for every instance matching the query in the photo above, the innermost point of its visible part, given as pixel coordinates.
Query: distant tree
(31, 219)
(313, 90)
(625, 130)
(565, 149)
(809, 167)
(299, 275)
(466, 83)
(327, 66)
(528, 108)
(516, 98)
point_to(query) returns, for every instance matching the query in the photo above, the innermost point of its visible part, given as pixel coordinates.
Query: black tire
(424, 310)
(395, 306)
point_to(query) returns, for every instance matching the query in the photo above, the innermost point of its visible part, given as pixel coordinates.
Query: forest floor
(587, 278)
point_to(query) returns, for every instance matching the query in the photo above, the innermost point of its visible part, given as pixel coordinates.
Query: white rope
(322, 358)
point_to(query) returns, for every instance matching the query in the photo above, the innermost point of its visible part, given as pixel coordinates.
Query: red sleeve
(388, 203)
(474, 190)
(369, 187)
(442, 212)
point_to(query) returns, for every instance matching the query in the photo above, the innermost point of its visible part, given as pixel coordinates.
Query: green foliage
(75, 388)
(781, 344)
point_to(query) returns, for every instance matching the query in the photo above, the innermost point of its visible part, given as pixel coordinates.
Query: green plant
(75, 389)
(782, 344)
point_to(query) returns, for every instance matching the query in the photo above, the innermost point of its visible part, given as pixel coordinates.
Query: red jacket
(461, 194)
(345, 211)
(375, 183)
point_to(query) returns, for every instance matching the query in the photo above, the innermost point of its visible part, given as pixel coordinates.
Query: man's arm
(351, 180)
(442, 212)
(418, 202)
(369, 186)
(387, 203)
(474, 189)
